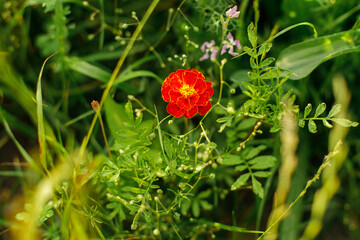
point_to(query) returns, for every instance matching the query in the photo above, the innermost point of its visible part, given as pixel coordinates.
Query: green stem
(221, 67)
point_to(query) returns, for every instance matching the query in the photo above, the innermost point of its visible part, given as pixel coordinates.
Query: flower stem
(221, 67)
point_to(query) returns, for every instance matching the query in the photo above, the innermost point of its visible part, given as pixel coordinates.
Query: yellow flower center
(187, 91)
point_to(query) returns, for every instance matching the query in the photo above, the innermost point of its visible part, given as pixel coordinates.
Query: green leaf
(262, 174)
(320, 109)
(240, 168)
(301, 123)
(227, 120)
(253, 152)
(185, 206)
(240, 181)
(102, 74)
(334, 110)
(196, 208)
(312, 126)
(257, 187)
(206, 205)
(253, 64)
(253, 75)
(204, 194)
(267, 62)
(327, 124)
(239, 77)
(262, 162)
(265, 47)
(127, 132)
(137, 74)
(302, 58)
(251, 34)
(307, 110)
(345, 122)
(88, 69)
(231, 160)
(249, 52)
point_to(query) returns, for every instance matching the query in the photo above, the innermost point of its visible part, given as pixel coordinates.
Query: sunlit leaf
(307, 110)
(320, 109)
(257, 187)
(240, 181)
(334, 110)
(302, 58)
(312, 126)
(345, 122)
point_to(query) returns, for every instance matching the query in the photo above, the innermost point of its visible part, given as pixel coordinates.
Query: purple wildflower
(232, 13)
(209, 47)
(229, 44)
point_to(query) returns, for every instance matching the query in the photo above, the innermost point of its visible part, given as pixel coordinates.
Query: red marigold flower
(187, 93)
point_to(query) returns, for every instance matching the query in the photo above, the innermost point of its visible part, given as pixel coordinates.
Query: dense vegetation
(260, 141)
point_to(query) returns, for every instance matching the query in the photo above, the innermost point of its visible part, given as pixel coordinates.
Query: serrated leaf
(320, 109)
(267, 62)
(327, 124)
(251, 34)
(334, 110)
(262, 174)
(301, 123)
(312, 126)
(262, 162)
(240, 181)
(257, 187)
(231, 160)
(345, 122)
(307, 110)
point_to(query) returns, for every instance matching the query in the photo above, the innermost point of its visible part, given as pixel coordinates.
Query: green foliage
(254, 165)
(325, 120)
(134, 171)
(302, 58)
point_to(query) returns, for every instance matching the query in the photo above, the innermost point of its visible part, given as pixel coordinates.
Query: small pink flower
(209, 47)
(232, 13)
(229, 44)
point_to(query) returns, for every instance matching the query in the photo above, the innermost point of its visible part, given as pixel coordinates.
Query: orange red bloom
(187, 93)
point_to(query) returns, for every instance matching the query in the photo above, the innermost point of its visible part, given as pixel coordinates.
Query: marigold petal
(174, 95)
(174, 110)
(191, 112)
(176, 83)
(187, 103)
(203, 99)
(190, 77)
(204, 109)
(165, 92)
(209, 88)
(193, 100)
(200, 86)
